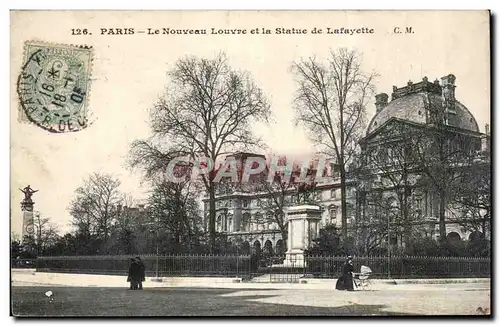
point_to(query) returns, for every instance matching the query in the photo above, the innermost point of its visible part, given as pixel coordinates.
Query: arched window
(476, 236)
(268, 248)
(280, 247)
(245, 248)
(257, 249)
(453, 237)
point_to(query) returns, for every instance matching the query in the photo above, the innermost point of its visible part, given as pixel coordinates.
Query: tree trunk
(442, 221)
(443, 177)
(406, 217)
(357, 213)
(283, 228)
(343, 202)
(211, 218)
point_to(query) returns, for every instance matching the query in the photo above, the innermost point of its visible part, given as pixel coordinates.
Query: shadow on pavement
(120, 302)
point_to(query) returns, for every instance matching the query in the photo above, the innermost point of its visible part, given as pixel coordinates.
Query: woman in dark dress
(345, 282)
(133, 274)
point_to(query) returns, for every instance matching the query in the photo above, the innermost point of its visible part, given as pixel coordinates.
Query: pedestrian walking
(345, 281)
(133, 274)
(141, 271)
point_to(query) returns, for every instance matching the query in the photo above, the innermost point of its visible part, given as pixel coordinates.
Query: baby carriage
(362, 279)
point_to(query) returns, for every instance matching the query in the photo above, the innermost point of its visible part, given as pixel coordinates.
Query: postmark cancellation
(54, 85)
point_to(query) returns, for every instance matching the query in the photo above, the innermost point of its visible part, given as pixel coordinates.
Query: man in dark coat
(133, 274)
(345, 282)
(142, 272)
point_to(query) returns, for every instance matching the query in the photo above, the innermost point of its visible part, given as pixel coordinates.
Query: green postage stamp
(54, 86)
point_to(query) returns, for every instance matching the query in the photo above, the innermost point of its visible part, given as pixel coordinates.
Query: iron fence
(402, 266)
(160, 266)
(279, 270)
(22, 263)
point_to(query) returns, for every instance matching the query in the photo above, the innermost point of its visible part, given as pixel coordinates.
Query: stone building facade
(423, 127)
(242, 216)
(417, 106)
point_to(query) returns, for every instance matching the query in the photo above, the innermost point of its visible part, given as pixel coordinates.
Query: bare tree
(442, 154)
(284, 191)
(96, 205)
(207, 111)
(393, 159)
(174, 210)
(330, 103)
(471, 195)
(126, 223)
(46, 233)
(125, 218)
(276, 196)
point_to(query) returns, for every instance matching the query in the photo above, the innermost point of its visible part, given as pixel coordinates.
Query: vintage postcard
(250, 163)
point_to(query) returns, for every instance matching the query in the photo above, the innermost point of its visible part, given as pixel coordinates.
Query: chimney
(486, 140)
(381, 101)
(448, 92)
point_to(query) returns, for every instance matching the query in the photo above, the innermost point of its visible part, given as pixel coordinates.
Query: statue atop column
(27, 209)
(27, 202)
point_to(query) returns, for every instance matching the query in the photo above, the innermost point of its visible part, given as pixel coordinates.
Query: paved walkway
(32, 278)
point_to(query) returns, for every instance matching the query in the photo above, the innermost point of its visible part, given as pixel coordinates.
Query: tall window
(219, 223)
(332, 212)
(418, 205)
(230, 224)
(270, 221)
(245, 222)
(392, 208)
(333, 193)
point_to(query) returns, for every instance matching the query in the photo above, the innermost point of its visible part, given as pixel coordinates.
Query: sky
(129, 73)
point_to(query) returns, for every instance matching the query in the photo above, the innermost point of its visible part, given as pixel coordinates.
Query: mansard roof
(418, 102)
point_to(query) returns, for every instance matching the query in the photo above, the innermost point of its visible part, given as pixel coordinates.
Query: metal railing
(402, 266)
(244, 266)
(159, 266)
(23, 263)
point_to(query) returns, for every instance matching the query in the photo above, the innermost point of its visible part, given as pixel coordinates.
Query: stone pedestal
(303, 227)
(28, 221)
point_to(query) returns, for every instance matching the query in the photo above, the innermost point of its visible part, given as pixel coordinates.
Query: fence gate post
(389, 266)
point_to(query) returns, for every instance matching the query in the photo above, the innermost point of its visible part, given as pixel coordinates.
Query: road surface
(416, 299)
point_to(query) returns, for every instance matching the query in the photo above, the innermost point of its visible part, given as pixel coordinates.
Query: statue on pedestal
(306, 193)
(27, 202)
